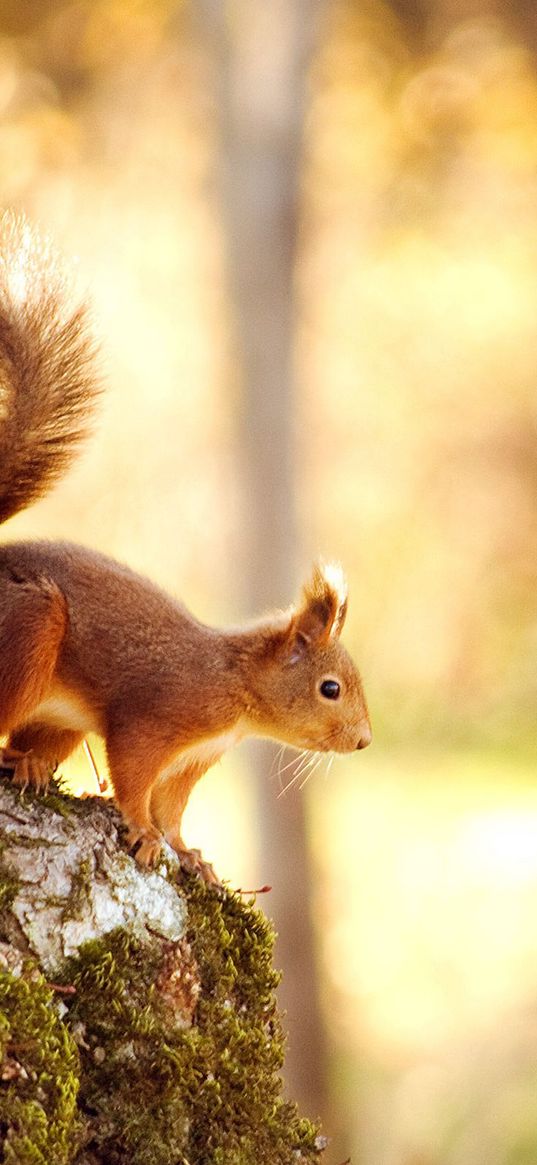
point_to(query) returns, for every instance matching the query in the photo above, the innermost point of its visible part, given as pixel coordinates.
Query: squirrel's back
(117, 618)
(48, 384)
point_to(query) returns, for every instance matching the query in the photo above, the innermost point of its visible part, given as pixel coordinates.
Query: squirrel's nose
(366, 736)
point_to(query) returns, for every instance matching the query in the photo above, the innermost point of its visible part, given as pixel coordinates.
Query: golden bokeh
(416, 456)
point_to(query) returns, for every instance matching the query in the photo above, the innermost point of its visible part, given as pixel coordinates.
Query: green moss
(9, 885)
(38, 1109)
(57, 800)
(159, 1076)
(138, 1111)
(209, 1094)
(57, 797)
(75, 905)
(238, 1114)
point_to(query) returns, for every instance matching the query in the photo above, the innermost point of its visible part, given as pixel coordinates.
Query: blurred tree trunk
(260, 55)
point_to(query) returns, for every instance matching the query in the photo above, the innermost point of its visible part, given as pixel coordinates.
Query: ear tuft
(334, 580)
(321, 615)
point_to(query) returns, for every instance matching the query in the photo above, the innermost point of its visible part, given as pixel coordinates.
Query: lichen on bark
(137, 1016)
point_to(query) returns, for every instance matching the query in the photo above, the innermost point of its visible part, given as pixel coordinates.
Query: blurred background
(309, 234)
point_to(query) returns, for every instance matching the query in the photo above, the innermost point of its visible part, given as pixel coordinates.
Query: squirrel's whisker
(319, 757)
(295, 760)
(302, 765)
(310, 761)
(276, 762)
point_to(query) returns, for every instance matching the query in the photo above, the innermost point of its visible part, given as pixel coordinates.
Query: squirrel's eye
(330, 689)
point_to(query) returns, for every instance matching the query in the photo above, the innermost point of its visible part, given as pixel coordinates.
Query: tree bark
(137, 1018)
(260, 54)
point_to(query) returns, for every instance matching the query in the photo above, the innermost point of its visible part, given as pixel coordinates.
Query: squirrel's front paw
(147, 845)
(192, 861)
(27, 769)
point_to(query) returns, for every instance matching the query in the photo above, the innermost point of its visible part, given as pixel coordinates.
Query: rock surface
(73, 881)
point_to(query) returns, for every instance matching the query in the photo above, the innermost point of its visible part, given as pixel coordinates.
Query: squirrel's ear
(321, 614)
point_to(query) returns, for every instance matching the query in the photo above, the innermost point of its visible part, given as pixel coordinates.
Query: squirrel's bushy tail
(48, 385)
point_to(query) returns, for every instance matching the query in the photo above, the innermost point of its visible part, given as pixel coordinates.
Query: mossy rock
(39, 1075)
(148, 1048)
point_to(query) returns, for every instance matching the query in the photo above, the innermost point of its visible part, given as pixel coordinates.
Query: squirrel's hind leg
(36, 750)
(33, 621)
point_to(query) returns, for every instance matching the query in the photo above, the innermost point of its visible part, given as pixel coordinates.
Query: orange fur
(33, 620)
(88, 645)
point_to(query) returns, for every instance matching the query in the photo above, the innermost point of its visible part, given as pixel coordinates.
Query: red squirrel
(87, 645)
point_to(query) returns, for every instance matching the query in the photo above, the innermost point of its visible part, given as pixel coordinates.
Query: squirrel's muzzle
(366, 736)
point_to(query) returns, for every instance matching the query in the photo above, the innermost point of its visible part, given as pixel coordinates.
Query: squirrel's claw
(145, 845)
(26, 769)
(192, 861)
(9, 758)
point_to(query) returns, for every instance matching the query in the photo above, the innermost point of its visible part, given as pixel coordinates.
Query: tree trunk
(260, 54)
(137, 1018)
